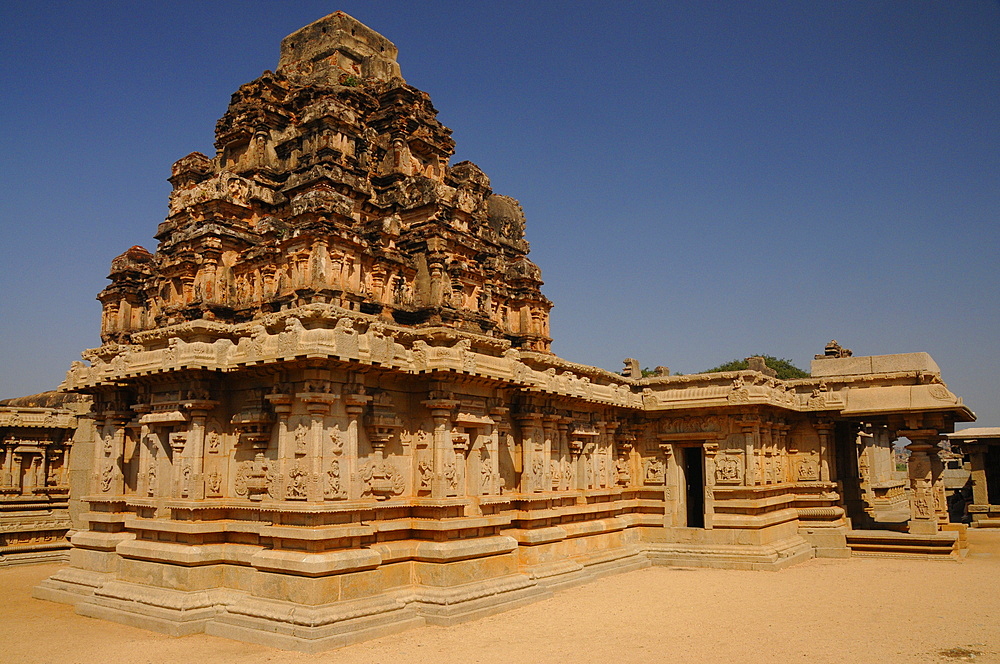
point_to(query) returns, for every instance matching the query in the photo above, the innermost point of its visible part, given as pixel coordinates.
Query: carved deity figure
(655, 470)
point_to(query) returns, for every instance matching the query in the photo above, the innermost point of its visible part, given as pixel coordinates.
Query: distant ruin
(326, 409)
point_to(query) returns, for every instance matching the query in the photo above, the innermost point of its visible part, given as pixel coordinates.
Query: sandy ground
(858, 610)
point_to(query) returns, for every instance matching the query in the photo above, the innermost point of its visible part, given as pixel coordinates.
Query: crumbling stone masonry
(326, 407)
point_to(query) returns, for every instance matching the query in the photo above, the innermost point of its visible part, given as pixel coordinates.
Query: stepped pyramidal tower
(326, 408)
(331, 185)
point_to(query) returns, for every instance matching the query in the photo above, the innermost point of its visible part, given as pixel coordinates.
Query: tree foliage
(785, 368)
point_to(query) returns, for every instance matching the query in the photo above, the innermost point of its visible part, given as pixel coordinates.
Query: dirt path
(857, 611)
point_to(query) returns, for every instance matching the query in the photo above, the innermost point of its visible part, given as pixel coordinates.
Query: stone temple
(325, 408)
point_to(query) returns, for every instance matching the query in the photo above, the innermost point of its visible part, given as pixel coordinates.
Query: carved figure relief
(451, 476)
(425, 469)
(740, 393)
(186, 481)
(382, 479)
(622, 473)
(486, 474)
(298, 482)
(255, 479)
(300, 440)
(654, 470)
(336, 442)
(728, 469)
(808, 470)
(214, 442)
(555, 473)
(921, 506)
(214, 484)
(537, 476)
(107, 476)
(151, 471)
(334, 489)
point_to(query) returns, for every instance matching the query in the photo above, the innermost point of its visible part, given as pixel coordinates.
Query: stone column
(711, 449)
(924, 474)
(44, 467)
(178, 441)
(825, 431)
(490, 476)
(501, 433)
(533, 475)
(751, 429)
(318, 404)
(784, 467)
(562, 453)
(576, 463)
(194, 451)
(445, 477)
(354, 404)
(8, 464)
(673, 486)
(549, 449)
(16, 473)
(108, 458)
(142, 476)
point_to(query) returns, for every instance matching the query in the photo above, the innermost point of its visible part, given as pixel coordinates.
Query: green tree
(785, 368)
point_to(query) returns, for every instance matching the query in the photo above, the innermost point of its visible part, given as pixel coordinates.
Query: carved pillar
(578, 475)
(17, 482)
(532, 479)
(181, 472)
(751, 432)
(354, 403)
(561, 454)
(281, 403)
(142, 480)
(549, 449)
(499, 447)
(461, 443)
(784, 467)
(109, 457)
(445, 479)
(924, 474)
(318, 404)
(194, 450)
(8, 464)
(711, 449)
(673, 486)
(824, 430)
(43, 470)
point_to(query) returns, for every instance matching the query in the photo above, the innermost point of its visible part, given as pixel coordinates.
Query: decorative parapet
(37, 418)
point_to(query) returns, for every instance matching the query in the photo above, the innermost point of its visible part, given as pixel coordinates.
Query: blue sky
(703, 180)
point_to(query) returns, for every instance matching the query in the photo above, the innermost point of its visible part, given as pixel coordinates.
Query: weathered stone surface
(325, 406)
(36, 444)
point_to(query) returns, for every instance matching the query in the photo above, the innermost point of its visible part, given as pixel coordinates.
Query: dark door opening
(695, 479)
(993, 474)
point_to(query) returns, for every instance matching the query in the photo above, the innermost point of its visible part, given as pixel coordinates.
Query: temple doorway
(694, 479)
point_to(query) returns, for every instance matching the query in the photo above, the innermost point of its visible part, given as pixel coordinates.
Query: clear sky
(703, 180)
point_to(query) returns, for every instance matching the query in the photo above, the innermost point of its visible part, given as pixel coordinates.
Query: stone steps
(946, 545)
